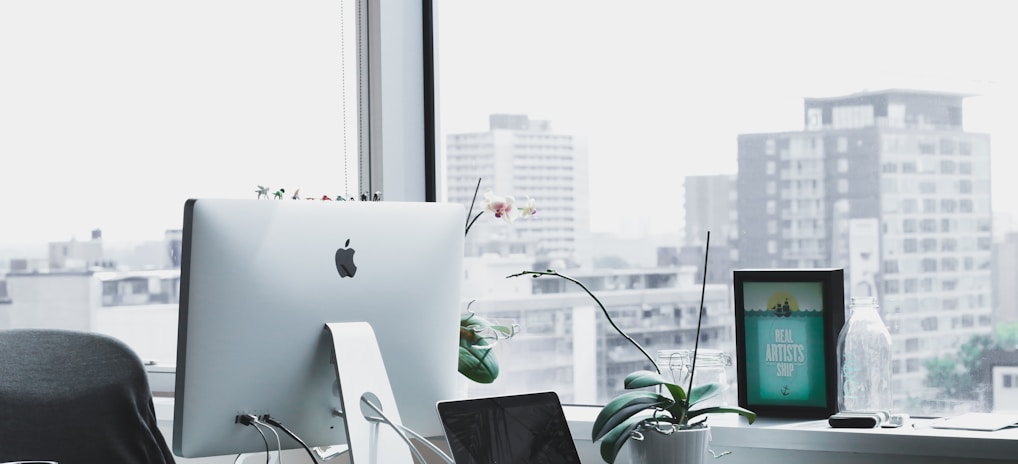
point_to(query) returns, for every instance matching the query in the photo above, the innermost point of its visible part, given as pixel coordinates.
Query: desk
(776, 441)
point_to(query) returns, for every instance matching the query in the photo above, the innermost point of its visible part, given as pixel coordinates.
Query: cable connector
(245, 419)
(269, 420)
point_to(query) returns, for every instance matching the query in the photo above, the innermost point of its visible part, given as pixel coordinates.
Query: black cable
(282, 427)
(279, 443)
(251, 421)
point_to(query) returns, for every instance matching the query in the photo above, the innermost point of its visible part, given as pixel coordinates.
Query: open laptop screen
(517, 429)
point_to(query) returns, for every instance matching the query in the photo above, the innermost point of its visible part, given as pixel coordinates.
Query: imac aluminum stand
(362, 378)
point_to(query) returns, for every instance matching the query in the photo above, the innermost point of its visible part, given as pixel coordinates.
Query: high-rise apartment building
(889, 186)
(710, 206)
(524, 158)
(1005, 274)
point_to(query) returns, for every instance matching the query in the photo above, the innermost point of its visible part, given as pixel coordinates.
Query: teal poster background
(785, 343)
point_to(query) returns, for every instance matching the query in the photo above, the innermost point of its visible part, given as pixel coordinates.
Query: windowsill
(788, 441)
(791, 441)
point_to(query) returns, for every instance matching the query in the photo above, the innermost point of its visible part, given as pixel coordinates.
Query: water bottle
(864, 360)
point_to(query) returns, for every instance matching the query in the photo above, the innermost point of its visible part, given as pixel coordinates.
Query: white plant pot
(676, 447)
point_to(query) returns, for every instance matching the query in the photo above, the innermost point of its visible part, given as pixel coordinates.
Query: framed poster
(787, 323)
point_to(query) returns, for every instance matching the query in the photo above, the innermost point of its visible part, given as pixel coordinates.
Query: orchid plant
(478, 335)
(668, 409)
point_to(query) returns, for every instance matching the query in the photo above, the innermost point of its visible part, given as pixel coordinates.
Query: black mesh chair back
(75, 397)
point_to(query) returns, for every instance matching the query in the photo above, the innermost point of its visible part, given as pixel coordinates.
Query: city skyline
(671, 95)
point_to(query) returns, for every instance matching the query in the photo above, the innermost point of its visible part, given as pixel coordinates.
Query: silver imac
(259, 281)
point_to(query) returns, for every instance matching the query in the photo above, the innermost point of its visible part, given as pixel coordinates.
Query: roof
(873, 93)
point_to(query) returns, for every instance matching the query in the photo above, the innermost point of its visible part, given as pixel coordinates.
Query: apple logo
(344, 261)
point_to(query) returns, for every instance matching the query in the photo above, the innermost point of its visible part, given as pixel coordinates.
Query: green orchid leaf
(641, 379)
(477, 361)
(704, 392)
(750, 415)
(677, 393)
(616, 437)
(623, 407)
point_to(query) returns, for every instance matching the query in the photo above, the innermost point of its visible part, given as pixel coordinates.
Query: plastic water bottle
(864, 360)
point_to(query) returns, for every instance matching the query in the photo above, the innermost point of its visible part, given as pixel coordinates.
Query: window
(965, 186)
(947, 146)
(526, 74)
(842, 148)
(117, 113)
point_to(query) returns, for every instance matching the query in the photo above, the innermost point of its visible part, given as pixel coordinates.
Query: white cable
(279, 444)
(404, 429)
(254, 423)
(385, 419)
(427, 443)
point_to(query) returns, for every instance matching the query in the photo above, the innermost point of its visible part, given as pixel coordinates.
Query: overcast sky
(647, 82)
(113, 112)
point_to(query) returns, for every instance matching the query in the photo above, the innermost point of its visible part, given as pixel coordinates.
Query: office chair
(75, 397)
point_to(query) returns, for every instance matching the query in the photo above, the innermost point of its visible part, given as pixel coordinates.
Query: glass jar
(864, 360)
(711, 367)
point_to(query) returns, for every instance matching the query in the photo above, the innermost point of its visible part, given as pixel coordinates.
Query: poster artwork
(785, 343)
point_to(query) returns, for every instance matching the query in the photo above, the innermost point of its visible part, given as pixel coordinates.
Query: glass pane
(114, 112)
(800, 135)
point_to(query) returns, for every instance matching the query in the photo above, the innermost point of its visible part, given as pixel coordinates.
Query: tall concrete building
(1005, 274)
(889, 186)
(710, 205)
(524, 158)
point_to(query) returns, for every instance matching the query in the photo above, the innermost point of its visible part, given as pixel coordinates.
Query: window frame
(399, 153)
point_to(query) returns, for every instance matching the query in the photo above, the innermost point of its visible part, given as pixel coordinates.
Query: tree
(959, 375)
(1007, 335)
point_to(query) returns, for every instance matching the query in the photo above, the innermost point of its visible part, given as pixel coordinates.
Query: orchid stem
(550, 272)
(471, 210)
(699, 318)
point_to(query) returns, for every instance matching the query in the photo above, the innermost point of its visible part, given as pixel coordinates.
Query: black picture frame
(786, 346)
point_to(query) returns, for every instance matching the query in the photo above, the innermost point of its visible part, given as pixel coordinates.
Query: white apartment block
(525, 158)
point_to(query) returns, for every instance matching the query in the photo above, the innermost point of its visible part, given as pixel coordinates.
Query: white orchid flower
(530, 209)
(501, 207)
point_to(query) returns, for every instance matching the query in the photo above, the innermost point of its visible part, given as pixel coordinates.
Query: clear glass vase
(711, 367)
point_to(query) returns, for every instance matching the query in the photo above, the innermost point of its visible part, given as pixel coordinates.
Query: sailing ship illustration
(782, 310)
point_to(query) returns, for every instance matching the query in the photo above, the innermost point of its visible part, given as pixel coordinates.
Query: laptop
(516, 429)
